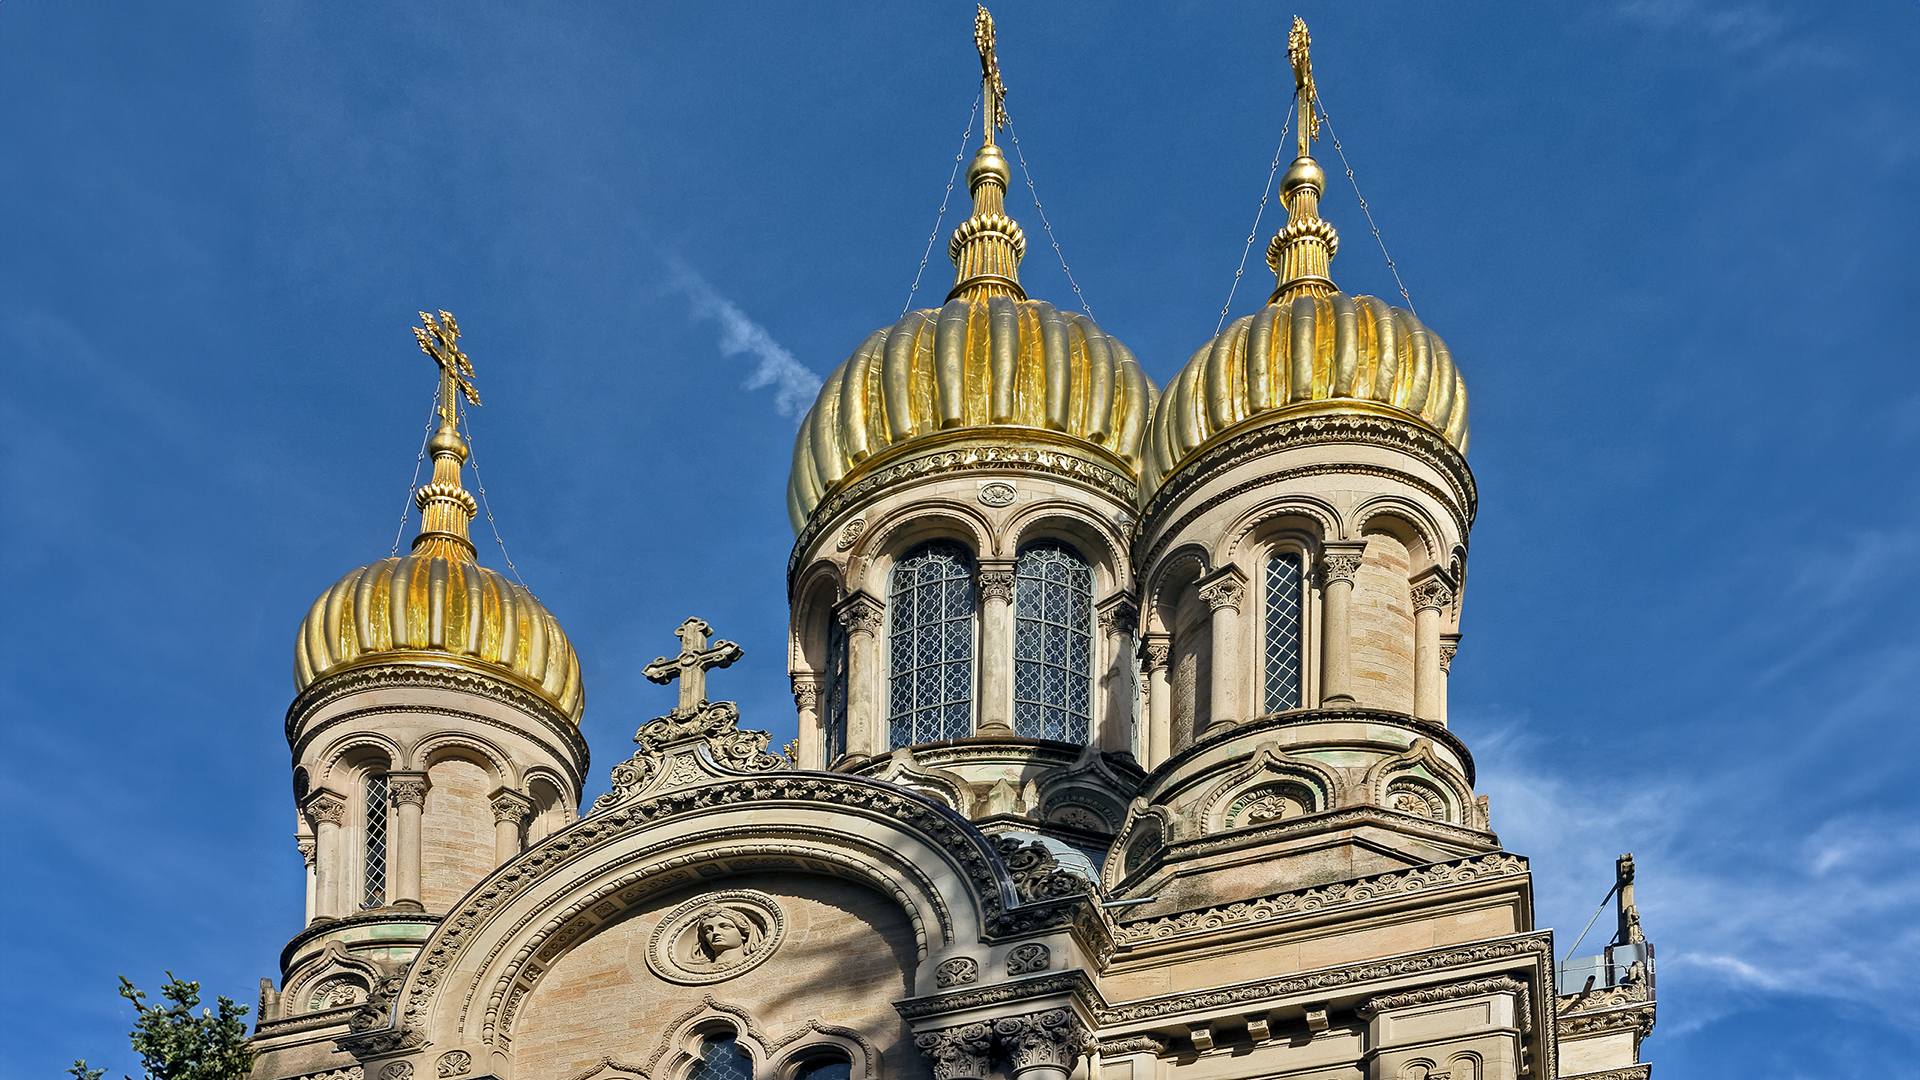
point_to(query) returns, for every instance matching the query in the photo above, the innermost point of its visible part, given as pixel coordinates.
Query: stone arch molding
(1142, 838)
(1417, 782)
(441, 745)
(679, 1046)
(485, 958)
(1255, 794)
(1251, 526)
(1436, 544)
(884, 541)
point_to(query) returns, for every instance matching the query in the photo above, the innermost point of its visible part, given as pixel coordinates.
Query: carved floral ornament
(996, 585)
(1051, 1039)
(716, 936)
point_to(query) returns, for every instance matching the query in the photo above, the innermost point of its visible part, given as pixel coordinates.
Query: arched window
(721, 1059)
(1282, 630)
(930, 645)
(1052, 643)
(836, 711)
(828, 1065)
(374, 868)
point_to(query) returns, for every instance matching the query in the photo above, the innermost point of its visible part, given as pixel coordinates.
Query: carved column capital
(806, 691)
(1431, 592)
(1155, 651)
(1449, 644)
(1050, 1039)
(308, 849)
(1225, 593)
(1337, 565)
(408, 788)
(957, 1053)
(511, 806)
(861, 614)
(996, 584)
(1119, 619)
(325, 808)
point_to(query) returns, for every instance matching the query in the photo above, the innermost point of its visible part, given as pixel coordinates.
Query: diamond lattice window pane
(374, 870)
(930, 641)
(1053, 643)
(1282, 630)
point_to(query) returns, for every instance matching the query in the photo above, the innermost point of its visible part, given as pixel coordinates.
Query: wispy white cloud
(794, 384)
(1739, 29)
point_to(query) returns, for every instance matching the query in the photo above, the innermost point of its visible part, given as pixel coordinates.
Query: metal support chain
(1338, 149)
(1254, 233)
(482, 486)
(1044, 223)
(406, 510)
(966, 135)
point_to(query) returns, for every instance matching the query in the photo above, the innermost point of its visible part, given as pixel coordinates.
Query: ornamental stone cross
(690, 667)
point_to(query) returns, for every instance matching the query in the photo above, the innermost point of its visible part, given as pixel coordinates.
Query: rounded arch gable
(1072, 524)
(885, 542)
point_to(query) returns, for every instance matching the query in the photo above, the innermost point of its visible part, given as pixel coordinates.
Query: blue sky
(1671, 243)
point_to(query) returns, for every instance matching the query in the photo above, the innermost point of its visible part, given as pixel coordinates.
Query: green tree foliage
(174, 1044)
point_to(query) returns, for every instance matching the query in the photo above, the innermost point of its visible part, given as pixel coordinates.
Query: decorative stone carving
(336, 992)
(407, 789)
(997, 493)
(1029, 958)
(1120, 619)
(715, 721)
(861, 614)
(1155, 651)
(957, 1053)
(308, 849)
(806, 691)
(397, 1070)
(454, 1063)
(1409, 797)
(1452, 992)
(958, 971)
(996, 585)
(850, 533)
(511, 806)
(1225, 592)
(1433, 592)
(325, 808)
(716, 936)
(1447, 651)
(1268, 803)
(1134, 1044)
(1052, 1039)
(1036, 873)
(1340, 565)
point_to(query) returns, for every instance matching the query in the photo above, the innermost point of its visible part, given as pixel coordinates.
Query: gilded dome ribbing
(437, 606)
(990, 361)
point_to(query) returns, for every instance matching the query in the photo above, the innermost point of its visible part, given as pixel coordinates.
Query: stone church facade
(1123, 748)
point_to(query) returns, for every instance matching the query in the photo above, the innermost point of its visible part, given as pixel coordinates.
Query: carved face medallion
(716, 936)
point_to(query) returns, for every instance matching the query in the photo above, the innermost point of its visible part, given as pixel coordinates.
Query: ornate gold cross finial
(441, 340)
(690, 667)
(1298, 44)
(994, 89)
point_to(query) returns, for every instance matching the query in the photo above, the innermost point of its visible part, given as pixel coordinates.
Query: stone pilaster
(1156, 653)
(408, 793)
(1338, 565)
(813, 733)
(511, 812)
(864, 618)
(996, 583)
(1224, 590)
(1118, 618)
(326, 812)
(1431, 594)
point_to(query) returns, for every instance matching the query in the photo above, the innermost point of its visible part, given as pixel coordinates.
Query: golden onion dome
(990, 362)
(437, 606)
(1312, 348)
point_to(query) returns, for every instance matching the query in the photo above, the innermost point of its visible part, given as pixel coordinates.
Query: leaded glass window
(374, 876)
(836, 690)
(1283, 631)
(1052, 643)
(930, 645)
(721, 1059)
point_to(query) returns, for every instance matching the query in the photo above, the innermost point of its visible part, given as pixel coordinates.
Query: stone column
(408, 793)
(863, 617)
(1223, 590)
(1337, 567)
(957, 1053)
(1431, 595)
(307, 847)
(511, 812)
(1118, 619)
(813, 733)
(1449, 645)
(1155, 654)
(1042, 1045)
(996, 647)
(326, 812)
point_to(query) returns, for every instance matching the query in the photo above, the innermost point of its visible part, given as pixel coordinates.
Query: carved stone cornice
(1612, 997)
(1049, 1039)
(1211, 920)
(1631, 1072)
(1134, 1044)
(511, 806)
(1528, 946)
(1635, 1018)
(432, 675)
(861, 614)
(324, 807)
(1426, 729)
(957, 1053)
(409, 788)
(1074, 982)
(995, 585)
(1454, 991)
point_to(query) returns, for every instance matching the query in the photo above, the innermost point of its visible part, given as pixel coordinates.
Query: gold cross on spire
(1298, 43)
(992, 87)
(690, 667)
(441, 340)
